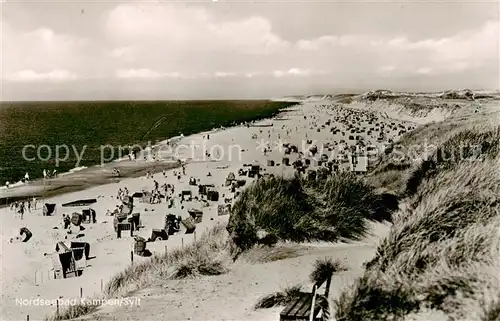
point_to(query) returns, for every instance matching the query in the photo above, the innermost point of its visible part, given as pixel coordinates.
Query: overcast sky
(232, 49)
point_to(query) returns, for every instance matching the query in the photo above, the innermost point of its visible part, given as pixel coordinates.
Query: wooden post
(194, 236)
(81, 292)
(57, 308)
(28, 317)
(35, 277)
(166, 249)
(101, 286)
(131, 257)
(313, 303)
(182, 243)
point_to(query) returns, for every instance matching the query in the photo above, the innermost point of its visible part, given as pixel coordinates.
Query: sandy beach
(27, 271)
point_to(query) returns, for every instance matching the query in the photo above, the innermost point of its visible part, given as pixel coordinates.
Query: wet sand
(84, 179)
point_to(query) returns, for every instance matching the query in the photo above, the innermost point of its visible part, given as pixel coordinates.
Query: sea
(63, 137)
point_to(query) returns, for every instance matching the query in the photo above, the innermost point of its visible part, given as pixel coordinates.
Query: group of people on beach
(46, 174)
(122, 193)
(49, 174)
(21, 207)
(157, 191)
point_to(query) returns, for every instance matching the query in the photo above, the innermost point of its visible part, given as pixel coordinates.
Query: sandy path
(233, 295)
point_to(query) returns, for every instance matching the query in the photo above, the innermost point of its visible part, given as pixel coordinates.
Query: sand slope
(233, 295)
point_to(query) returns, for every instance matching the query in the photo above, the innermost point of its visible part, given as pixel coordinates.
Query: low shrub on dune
(277, 205)
(292, 209)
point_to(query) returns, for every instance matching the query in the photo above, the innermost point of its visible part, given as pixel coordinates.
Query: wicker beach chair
(124, 227)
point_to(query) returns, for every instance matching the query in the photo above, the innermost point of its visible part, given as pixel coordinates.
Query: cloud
(189, 28)
(298, 72)
(466, 50)
(32, 76)
(125, 54)
(164, 42)
(40, 54)
(144, 73)
(424, 71)
(386, 69)
(224, 74)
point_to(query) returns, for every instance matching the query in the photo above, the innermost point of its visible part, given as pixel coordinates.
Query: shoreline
(87, 178)
(174, 123)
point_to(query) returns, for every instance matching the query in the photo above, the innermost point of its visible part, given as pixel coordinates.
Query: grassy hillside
(442, 253)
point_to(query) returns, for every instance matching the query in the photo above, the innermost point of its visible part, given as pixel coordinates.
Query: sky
(109, 50)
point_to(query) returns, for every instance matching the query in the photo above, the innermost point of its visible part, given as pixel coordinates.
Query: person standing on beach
(26, 177)
(21, 210)
(7, 184)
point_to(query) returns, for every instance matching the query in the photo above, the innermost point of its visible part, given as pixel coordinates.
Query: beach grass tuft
(297, 210)
(280, 298)
(207, 256)
(74, 311)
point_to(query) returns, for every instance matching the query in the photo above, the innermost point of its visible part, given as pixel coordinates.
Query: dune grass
(265, 254)
(207, 256)
(395, 167)
(296, 210)
(443, 251)
(465, 146)
(74, 311)
(280, 298)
